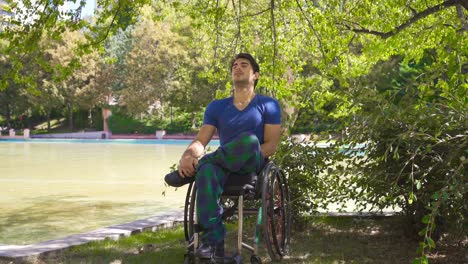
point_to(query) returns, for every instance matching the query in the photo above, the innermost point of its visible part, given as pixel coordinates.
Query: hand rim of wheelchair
(276, 229)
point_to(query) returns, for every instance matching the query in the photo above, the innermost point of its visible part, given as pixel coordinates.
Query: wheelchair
(268, 196)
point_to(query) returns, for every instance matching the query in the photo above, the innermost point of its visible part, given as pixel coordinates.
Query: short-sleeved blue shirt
(230, 122)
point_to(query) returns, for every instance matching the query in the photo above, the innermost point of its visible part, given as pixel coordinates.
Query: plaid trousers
(241, 155)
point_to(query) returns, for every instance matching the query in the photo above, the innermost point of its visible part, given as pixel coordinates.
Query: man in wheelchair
(248, 126)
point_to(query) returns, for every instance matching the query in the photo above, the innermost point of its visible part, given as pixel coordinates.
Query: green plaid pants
(242, 155)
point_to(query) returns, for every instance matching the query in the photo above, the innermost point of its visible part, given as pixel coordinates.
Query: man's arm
(189, 160)
(271, 138)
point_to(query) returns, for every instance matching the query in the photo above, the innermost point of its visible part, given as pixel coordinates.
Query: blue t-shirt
(230, 122)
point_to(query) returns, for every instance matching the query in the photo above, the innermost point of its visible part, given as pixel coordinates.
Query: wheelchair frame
(273, 215)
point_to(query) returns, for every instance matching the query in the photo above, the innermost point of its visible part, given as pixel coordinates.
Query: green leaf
(426, 219)
(423, 232)
(421, 247)
(418, 185)
(430, 242)
(445, 196)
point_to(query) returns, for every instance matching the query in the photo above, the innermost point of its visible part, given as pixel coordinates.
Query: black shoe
(175, 180)
(204, 251)
(218, 256)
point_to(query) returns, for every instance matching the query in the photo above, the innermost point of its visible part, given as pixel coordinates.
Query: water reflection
(52, 190)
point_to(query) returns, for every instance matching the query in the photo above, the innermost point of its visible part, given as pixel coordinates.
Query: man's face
(242, 72)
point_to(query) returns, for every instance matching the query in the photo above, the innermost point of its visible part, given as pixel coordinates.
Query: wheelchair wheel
(275, 211)
(189, 212)
(229, 206)
(254, 259)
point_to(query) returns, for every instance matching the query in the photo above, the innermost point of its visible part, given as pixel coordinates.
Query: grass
(56, 126)
(320, 240)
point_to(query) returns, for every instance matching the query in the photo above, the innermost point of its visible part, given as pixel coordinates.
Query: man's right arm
(189, 160)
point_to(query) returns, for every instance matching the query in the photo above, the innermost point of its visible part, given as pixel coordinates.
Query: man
(249, 127)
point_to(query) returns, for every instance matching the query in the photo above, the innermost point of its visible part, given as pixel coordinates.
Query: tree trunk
(106, 113)
(193, 121)
(28, 122)
(289, 118)
(70, 116)
(90, 118)
(8, 116)
(48, 120)
(289, 112)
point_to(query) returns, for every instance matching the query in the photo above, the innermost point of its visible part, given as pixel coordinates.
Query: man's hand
(189, 161)
(187, 166)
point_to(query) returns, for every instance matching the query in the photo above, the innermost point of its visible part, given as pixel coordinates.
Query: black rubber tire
(189, 213)
(275, 212)
(186, 211)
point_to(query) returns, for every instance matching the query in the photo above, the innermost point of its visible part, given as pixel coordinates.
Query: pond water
(54, 188)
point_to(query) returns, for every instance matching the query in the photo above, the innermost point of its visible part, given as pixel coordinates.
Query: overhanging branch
(412, 20)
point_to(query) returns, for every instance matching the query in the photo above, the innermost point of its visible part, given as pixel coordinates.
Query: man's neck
(243, 94)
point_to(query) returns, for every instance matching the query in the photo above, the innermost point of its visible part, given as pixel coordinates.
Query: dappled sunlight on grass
(56, 125)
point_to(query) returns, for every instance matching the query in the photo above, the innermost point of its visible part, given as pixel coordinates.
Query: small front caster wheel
(254, 259)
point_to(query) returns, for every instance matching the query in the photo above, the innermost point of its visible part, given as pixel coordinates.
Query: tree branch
(412, 20)
(273, 31)
(462, 18)
(256, 14)
(114, 17)
(238, 20)
(313, 29)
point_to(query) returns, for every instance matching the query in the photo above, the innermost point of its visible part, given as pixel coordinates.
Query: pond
(54, 188)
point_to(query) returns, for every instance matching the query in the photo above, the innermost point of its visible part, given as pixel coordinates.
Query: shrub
(313, 175)
(122, 124)
(414, 124)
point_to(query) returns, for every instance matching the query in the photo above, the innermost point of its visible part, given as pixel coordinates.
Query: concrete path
(165, 220)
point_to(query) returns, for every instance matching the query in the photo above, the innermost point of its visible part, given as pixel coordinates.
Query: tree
(153, 64)
(80, 88)
(14, 97)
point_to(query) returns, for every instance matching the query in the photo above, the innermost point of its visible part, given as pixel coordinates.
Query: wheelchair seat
(273, 214)
(240, 184)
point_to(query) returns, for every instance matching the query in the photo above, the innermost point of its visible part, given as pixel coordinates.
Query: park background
(383, 78)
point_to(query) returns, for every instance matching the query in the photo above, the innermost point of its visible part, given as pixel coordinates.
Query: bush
(97, 119)
(179, 126)
(414, 124)
(313, 174)
(122, 124)
(80, 119)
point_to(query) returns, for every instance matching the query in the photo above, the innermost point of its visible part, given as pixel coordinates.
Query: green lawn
(320, 240)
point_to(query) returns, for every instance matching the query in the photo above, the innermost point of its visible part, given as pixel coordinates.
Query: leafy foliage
(120, 123)
(311, 177)
(417, 139)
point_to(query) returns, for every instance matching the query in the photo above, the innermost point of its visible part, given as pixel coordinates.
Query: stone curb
(160, 221)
